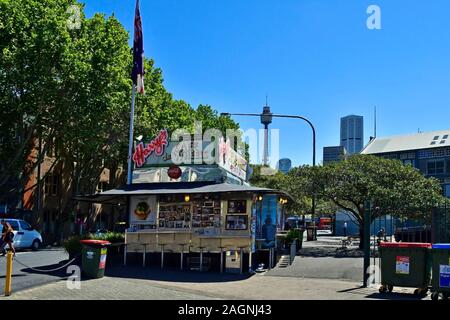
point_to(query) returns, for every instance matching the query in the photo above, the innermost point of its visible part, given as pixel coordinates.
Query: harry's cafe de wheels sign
(160, 151)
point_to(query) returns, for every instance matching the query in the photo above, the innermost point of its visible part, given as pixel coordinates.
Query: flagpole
(130, 146)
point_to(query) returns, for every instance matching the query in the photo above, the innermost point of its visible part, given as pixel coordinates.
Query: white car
(24, 235)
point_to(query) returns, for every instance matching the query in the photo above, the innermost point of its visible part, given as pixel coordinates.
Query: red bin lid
(95, 242)
(405, 245)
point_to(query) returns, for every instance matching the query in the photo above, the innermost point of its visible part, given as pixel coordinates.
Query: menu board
(206, 213)
(143, 211)
(174, 215)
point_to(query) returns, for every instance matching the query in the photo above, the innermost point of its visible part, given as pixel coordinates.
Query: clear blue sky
(312, 58)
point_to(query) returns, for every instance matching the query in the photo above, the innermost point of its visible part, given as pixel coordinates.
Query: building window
(51, 184)
(409, 163)
(434, 153)
(435, 167)
(447, 190)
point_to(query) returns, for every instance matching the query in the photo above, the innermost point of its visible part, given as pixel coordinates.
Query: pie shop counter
(177, 241)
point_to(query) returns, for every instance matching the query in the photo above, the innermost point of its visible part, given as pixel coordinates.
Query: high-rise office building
(284, 165)
(352, 133)
(333, 154)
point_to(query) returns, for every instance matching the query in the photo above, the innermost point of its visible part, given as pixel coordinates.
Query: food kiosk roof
(172, 188)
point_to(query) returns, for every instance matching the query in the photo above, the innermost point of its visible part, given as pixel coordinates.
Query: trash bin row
(416, 265)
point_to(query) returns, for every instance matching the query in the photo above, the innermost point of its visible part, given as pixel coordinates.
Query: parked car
(24, 235)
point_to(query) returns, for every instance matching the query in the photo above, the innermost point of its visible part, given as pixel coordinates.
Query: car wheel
(36, 244)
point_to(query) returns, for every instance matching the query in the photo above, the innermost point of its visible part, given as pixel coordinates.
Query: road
(24, 277)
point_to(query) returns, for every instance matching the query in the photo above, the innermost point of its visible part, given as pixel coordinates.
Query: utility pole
(366, 243)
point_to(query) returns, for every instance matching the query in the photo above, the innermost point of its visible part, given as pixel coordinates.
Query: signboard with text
(161, 152)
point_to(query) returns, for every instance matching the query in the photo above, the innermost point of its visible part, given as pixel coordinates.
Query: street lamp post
(265, 117)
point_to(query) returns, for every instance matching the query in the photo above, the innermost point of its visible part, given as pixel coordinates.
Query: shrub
(293, 234)
(113, 237)
(72, 244)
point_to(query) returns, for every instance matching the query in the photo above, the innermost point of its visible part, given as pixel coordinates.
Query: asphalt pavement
(25, 277)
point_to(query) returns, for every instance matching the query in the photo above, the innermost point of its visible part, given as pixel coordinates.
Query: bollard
(9, 268)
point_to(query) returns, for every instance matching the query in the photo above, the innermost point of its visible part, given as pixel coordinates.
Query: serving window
(236, 222)
(237, 206)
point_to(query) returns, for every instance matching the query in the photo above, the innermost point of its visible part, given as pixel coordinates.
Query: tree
(71, 88)
(302, 197)
(33, 40)
(381, 185)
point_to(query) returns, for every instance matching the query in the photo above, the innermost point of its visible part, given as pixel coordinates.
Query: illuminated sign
(156, 146)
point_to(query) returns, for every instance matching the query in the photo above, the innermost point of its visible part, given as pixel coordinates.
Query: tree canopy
(361, 182)
(71, 88)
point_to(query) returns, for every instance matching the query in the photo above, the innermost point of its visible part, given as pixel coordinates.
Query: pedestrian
(7, 237)
(345, 229)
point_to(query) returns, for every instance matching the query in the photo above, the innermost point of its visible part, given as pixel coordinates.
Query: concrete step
(284, 261)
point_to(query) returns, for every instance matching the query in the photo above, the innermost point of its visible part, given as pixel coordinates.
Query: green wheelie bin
(440, 281)
(405, 264)
(93, 259)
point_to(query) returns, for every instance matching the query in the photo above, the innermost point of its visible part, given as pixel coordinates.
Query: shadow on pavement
(395, 296)
(14, 276)
(321, 252)
(49, 269)
(171, 275)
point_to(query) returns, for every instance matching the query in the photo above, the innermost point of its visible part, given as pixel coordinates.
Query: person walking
(7, 237)
(345, 229)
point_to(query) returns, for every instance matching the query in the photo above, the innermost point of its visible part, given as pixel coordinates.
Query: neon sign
(156, 146)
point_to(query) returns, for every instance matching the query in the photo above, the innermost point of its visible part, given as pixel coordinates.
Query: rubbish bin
(93, 257)
(441, 270)
(311, 233)
(405, 264)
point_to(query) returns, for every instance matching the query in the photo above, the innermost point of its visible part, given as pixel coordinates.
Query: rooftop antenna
(375, 122)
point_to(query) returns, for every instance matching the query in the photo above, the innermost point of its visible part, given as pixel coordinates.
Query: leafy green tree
(70, 88)
(368, 182)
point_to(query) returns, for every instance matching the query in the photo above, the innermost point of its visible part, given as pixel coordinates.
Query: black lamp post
(266, 119)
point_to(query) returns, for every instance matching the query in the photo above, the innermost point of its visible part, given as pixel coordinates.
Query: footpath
(320, 272)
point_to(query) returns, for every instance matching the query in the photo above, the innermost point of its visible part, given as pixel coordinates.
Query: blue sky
(312, 58)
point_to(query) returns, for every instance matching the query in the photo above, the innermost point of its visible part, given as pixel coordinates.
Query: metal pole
(144, 253)
(130, 142)
(221, 260)
(266, 144)
(366, 244)
(125, 254)
(181, 258)
(201, 259)
(241, 260)
(162, 256)
(9, 268)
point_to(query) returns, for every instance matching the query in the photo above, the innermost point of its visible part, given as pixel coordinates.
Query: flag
(138, 52)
